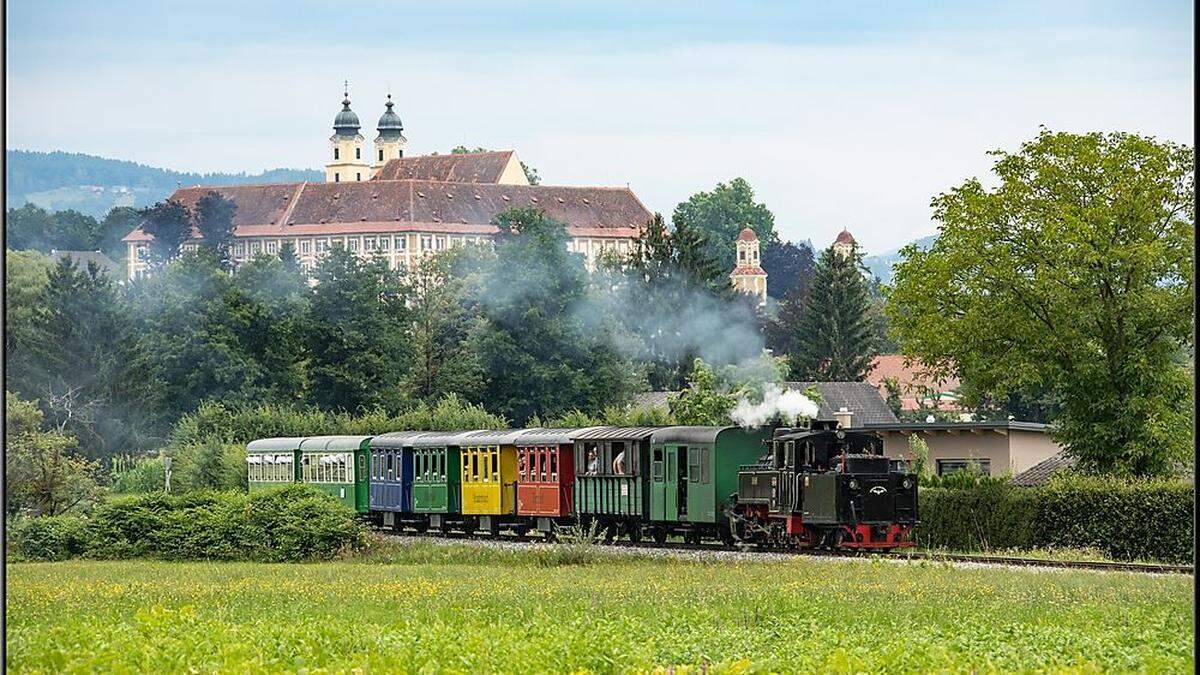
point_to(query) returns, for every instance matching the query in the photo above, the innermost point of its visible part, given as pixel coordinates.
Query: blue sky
(840, 116)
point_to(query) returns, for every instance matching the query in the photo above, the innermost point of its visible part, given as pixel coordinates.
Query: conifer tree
(835, 339)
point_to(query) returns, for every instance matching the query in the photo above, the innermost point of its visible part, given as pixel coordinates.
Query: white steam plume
(787, 405)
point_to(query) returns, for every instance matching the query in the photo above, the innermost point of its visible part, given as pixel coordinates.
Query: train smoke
(787, 406)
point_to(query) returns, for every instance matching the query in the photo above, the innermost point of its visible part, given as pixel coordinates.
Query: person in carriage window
(593, 463)
(619, 464)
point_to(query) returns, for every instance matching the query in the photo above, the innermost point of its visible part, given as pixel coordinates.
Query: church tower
(844, 243)
(347, 148)
(748, 275)
(390, 142)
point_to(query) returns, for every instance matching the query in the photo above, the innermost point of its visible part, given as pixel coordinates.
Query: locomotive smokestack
(843, 417)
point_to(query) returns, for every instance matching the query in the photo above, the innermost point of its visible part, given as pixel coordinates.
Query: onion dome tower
(844, 243)
(390, 142)
(346, 144)
(748, 275)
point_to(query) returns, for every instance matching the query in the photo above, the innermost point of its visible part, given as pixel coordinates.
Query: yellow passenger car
(489, 476)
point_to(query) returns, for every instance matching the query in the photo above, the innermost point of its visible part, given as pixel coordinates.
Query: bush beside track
(1127, 520)
(289, 523)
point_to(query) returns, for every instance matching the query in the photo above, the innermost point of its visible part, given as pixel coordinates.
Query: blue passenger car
(392, 478)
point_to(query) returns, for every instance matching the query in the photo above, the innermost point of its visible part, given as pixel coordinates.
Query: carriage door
(658, 482)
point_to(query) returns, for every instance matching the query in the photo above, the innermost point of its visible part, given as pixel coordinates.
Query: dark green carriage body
(337, 466)
(694, 470)
(437, 472)
(604, 492)
(271, 462)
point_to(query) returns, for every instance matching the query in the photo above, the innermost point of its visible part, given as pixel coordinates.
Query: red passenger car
(545, 476)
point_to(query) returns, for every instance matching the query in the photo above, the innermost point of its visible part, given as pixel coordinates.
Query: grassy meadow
(433, 607)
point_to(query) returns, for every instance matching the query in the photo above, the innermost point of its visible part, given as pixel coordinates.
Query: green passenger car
(437, 477)
(337, 465)
(611, 479)
(272, 461)
(693, 475)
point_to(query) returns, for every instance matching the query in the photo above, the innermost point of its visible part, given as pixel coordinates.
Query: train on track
(783, 487)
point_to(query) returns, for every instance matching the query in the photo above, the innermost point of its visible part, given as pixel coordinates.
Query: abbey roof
(472, 167)
(379, 205)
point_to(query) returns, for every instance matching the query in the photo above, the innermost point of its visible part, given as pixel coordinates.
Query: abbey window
(335, 153)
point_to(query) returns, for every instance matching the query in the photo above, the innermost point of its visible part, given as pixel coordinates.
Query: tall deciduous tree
(42, 474)
(541, 351)
(355, 332)
(169, 223)
(1073, 275)
(439, 324)
(722, 213)
(277, 306)
(214, 219)
(834, 340)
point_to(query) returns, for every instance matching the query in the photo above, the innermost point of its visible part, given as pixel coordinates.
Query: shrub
(1126, 519)
(288, 523)
(145, 476)
(49, 537)
(991, 515)
(1130, 519)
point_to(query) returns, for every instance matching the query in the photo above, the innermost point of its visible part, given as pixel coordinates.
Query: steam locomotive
(811, 488)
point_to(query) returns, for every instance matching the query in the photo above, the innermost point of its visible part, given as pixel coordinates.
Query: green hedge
(288, 523)
(1128, 520)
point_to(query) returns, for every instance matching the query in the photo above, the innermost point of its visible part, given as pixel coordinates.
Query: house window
(352, 243)
(401, 243)
(439, 243)
(381, 154)
(368, 243)
(272, 247)
(384, 242)
(337, 177)
(358, 176)
(358, 153)
(254, 248)
(305, 245)
(426, 243)
(335, 154)
(239, 250)
(946, 467)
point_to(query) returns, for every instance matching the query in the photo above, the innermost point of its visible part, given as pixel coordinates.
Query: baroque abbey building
(377, 201)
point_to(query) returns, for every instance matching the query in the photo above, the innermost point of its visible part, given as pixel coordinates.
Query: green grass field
(434, 607)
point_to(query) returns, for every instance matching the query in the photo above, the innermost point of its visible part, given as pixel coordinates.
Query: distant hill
(94, 185)
(881, 264)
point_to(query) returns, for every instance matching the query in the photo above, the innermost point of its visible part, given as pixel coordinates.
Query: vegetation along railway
(790, 488)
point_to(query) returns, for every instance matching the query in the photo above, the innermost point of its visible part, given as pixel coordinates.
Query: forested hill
(880, 264)
(93, 185)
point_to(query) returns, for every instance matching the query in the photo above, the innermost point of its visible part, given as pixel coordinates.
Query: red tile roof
(844, 237)
(912, 378)
(472, 167)
(414, 205)
(747, 234)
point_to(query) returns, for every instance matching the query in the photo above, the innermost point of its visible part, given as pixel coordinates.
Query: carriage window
(656, 466)
(554, 466)
(544, 464)
(615, 450)
(704, 453)
(496, 464)
(693, 471)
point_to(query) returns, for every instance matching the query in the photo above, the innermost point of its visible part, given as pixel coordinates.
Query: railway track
(910, 555)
